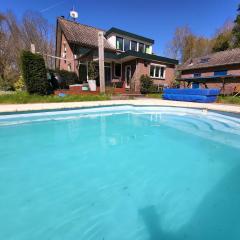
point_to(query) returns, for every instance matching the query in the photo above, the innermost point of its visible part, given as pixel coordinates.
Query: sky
(156, 19)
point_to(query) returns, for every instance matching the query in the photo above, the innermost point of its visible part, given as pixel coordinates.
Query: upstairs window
(157, 71)
(141, 48)
(133, 45)
(220, 73)
(126, 45)
(119, 43)
(148, 49)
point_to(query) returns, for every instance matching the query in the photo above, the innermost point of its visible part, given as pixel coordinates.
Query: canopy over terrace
(227, 79)
(125, 56)
(128, 58)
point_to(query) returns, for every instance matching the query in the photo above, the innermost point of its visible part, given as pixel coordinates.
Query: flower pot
(92, 85)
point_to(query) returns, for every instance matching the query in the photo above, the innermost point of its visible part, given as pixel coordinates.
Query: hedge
(34, 73)
(68, 77)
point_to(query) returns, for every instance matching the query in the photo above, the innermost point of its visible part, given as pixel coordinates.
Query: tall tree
(186, 45)
(175, 48)
(18, 35)
(223, 37)
(236, 30)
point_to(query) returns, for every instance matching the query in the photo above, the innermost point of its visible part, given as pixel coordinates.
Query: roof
(81, 34)
(128, 34)
(135, 55)
(224, 58)
(146, 56)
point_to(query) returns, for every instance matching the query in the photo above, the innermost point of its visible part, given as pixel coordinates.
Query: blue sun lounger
(191, 95)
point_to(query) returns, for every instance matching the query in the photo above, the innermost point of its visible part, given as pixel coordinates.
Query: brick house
(127, 56)
(217, 70)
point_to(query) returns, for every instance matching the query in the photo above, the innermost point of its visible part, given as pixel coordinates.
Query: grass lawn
(23, 97)
(154, 95)
(229, 99)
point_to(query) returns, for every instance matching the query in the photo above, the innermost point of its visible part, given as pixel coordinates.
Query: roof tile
(81, 34)
(223, 58)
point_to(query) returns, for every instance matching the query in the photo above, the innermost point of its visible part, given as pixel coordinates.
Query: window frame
(147, 47)
(140, 43)
(197, 75)
(117, 37)
(125, 39)
(136, 50)
(159, 72)
(218, 73)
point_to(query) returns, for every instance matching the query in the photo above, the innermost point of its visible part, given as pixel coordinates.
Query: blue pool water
(120, 173)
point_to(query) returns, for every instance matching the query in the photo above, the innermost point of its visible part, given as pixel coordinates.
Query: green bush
(146, 84)
(20, 85)
(6, 84)
(68, 78)
(34, 73)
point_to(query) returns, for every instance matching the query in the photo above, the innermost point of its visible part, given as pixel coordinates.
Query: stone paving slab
(9, 108)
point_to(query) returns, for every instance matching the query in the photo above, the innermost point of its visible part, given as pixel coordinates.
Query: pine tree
(236, 30)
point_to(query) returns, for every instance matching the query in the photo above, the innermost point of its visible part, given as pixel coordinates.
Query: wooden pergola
(211, 79)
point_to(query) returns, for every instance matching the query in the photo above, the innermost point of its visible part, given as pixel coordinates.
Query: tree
(175, 48)
(16, 36)
(236, 30)
(187, 45)
(223, 38)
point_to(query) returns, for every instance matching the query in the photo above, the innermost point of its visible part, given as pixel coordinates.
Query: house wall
(234, 70)
(143, 68)
(69, 55)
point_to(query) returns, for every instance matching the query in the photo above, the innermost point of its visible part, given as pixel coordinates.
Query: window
(126, 44)
(220, 73)
(157, 71)
(64, 47)
(204, 60)
(152, 69)
(141, 47)
(196, 75)
(69, 67)
(134, 45)
(119, 43)
(117, 70)
(148, 49)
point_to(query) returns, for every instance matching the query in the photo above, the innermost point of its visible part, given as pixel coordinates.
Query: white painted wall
(112, 40)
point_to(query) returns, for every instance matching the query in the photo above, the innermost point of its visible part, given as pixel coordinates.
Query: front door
(128, 76)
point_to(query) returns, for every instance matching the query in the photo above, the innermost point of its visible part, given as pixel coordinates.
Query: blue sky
(156, 19)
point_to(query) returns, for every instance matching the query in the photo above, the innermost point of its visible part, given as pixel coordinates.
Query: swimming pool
(120, 173)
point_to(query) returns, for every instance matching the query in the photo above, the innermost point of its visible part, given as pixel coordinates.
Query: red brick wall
(143, 67)
(69, 55)
(235, 70)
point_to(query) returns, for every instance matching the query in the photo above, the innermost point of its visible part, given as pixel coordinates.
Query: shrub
(20, 85)
(34, 73)
(7, 84)
(146, 84)
(92, 71)
(67, 78)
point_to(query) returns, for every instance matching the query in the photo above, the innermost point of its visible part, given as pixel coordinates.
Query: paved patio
(7, 108)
